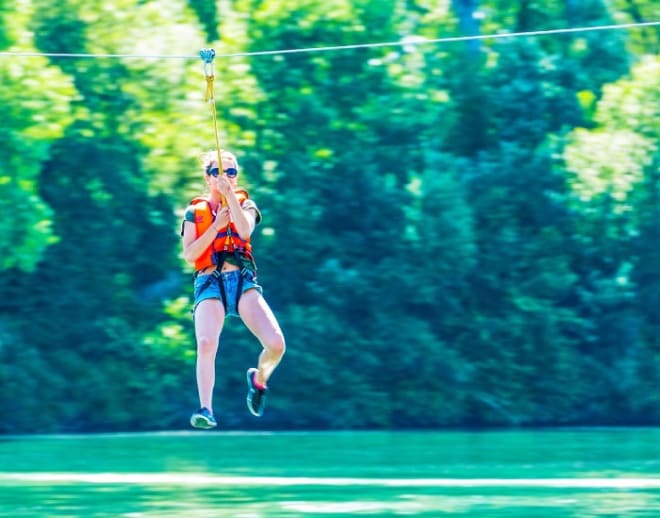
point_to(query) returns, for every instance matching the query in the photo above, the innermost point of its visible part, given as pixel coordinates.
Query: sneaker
(256, 398)
(203, 419)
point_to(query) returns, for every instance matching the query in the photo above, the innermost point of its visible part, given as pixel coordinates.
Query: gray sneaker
(256, 398)
(203, 419)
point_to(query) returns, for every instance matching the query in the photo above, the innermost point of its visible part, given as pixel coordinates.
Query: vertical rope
(211, 100)
(207, 56)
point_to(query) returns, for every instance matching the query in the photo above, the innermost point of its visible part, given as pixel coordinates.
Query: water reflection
(378, 474)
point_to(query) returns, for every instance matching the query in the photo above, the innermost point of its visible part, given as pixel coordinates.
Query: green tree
(453, 234)
(614, 175)
(115, 258)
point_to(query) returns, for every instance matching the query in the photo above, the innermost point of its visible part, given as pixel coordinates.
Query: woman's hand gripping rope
(221, 218)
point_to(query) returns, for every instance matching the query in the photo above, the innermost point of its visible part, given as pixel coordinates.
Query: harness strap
(239, 288)
(223, 293)
(221, 284)
(218, 260)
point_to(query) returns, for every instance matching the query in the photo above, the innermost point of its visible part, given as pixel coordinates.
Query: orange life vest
(227, 240)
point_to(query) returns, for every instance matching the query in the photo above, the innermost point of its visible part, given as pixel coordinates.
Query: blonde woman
(216, 234)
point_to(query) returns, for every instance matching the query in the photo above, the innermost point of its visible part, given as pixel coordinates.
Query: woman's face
(229, 170)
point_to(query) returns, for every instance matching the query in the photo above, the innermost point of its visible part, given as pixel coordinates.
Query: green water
(523, 474)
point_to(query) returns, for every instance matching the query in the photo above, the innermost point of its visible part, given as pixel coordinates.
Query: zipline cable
(405, 42)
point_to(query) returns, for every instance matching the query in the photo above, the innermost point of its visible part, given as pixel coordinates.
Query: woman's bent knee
(276, 345)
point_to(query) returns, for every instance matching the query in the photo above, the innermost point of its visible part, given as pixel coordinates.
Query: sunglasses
(231, 172)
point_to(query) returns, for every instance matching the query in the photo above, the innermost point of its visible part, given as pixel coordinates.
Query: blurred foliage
(36, 111)
(454, 235)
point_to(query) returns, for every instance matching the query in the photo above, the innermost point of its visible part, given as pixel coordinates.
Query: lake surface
(612, 472)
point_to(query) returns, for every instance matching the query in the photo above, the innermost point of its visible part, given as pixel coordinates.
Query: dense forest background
(455, 234)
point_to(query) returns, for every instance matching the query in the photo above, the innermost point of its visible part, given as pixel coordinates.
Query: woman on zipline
(216, 234)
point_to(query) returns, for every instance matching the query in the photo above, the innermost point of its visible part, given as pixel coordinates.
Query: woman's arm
(194, 246)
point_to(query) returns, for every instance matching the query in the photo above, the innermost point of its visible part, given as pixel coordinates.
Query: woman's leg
(209, 318)
(260, 320)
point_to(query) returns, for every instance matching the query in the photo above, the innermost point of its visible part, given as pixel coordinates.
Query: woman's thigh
(209, 318)
(259, 318)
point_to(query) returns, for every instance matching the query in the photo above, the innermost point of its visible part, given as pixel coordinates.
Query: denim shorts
(208, 287)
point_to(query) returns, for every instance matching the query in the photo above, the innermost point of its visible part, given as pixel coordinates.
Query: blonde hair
(208, 157)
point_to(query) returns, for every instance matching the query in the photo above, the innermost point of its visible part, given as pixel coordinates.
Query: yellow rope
(210, 98)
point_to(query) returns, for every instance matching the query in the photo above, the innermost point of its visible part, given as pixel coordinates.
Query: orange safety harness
(227, 241)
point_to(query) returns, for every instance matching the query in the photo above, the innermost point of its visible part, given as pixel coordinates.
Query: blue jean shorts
(209, 287)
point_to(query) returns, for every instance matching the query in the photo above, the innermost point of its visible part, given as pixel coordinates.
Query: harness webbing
(218, 275)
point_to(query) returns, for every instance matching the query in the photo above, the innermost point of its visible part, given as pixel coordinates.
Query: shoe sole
(201, 423)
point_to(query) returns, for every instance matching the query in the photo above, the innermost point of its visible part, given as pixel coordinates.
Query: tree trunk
(467, 22)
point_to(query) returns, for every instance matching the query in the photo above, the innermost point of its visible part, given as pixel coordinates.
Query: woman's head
(229, 166)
